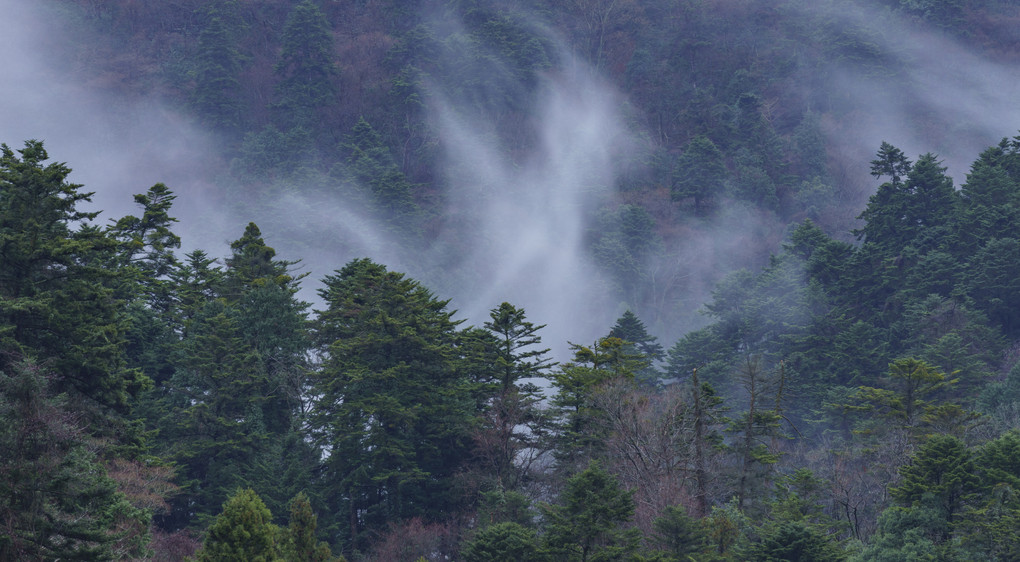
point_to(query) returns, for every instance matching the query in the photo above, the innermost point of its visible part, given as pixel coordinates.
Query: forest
(711, 326)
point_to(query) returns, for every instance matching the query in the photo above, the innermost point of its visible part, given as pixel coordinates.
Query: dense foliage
(853, 396)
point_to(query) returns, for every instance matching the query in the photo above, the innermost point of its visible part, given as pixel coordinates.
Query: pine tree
(503, 542)
(301, 544)
(513, 422)
(700, 173)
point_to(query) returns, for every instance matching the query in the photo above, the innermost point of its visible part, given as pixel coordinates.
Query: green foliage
(503, 542)
(587, 525)
(301, 544)
(306, 68)
(940, 474)
(906, 534)
(988, 527)
(795, 542)
(390, 403)
(216, 96)
(576, 383)
(677, 534)
(57, 299)
(56, 500)
(631, 330)
(911, 382)
(513, 428)
(371, 165)
(242, 532)
(700, 173)
(626, 240)
(229, 414)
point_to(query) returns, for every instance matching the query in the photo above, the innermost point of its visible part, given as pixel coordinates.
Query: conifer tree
(942, 474)
(56, 500)
(58, 301)
(216, 96)
(306, 68)
(513, 423)
(242, 532)
(588, 522)
(632, 331)
(392, 405)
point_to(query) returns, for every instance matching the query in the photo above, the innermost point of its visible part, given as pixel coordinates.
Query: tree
(631, 330)
(700, 173)
(230, 413)
(576, 382)
(795, 542)
(911, 381)
(941, 474)
(517, 357)
(757, 423)
(887, 208)
(988, 526)
(513, 423)
(678, 534)
(990, 198)
(306, 69)
(993, 282)
(586, 526)
(242, 532)
(301, 544)
(56, 500)
(391, 404)
(252, 264)
(371, 165)
(216, 96)
(58, 303)
(503, 542)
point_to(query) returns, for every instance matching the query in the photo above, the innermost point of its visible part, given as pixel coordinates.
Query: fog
(944, 99)
(520, 225)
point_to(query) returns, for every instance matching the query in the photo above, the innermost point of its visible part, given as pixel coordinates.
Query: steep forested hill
(591, 280)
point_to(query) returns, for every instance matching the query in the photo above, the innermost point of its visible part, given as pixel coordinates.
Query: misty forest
(510, 280)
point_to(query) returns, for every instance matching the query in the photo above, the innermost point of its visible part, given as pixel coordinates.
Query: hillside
(584, 280)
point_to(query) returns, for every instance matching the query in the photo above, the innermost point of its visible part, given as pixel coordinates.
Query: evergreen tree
(230, 413)
(301, 544)
(678, 534)
(794, 542)
(216, 96)
(582, 432)
(517, 358)
(56, 500)
(887, 208)
(503, 542)
(990, 198)
(392, 406)
(370, 164)
(587, 525)
(513, 423)
(941, 475)
(700, 174)
(58, 303)
(306, 68)
(631, 330)
(242, 532)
